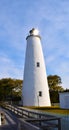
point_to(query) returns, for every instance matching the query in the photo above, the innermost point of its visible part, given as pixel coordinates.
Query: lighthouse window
(38, 64)
(40, 93)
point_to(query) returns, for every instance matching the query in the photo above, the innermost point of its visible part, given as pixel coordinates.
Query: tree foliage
(54, 82)
(10, 88)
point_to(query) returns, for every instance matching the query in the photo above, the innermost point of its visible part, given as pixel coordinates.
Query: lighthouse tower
(35, 90)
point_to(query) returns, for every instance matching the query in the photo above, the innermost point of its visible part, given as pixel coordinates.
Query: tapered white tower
(35, 88)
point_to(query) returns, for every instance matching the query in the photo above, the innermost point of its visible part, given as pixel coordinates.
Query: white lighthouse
(35, 90)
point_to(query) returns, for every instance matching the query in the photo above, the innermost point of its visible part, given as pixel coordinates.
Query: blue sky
(51, 17)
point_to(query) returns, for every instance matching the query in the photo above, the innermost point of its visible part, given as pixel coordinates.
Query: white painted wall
(35, 78)
(0, 119)
(64, 100)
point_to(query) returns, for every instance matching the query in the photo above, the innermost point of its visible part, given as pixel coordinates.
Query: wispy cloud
(8, 68)
(51, 18)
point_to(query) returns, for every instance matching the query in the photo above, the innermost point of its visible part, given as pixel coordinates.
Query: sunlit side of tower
(35, 90)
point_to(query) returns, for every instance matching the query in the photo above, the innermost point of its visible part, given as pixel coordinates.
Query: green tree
(10, 88)
(54, 83)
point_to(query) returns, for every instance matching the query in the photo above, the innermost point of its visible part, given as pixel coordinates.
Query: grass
(56, 110)
(52, 109)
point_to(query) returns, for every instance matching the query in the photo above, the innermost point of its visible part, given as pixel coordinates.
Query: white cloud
(51, 18)
(8, 68)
